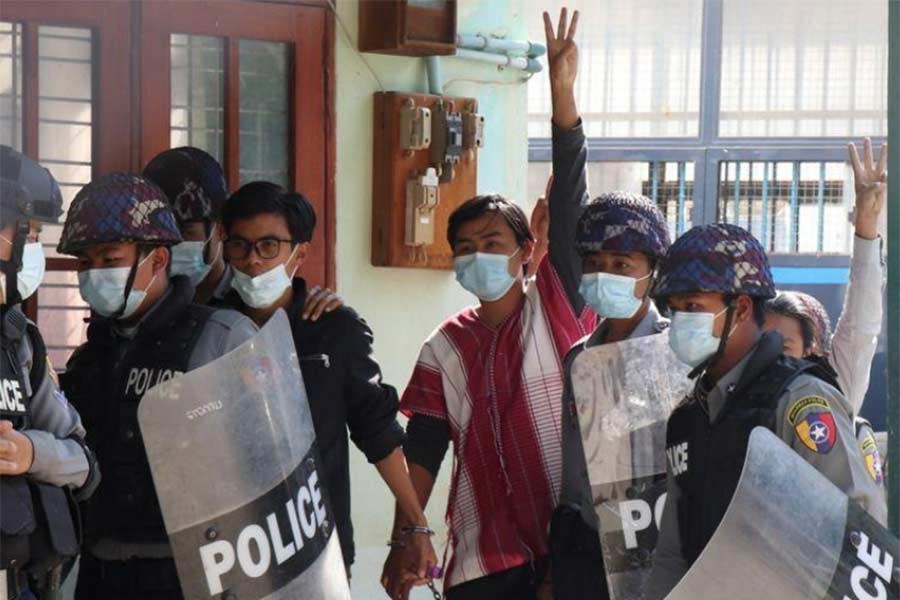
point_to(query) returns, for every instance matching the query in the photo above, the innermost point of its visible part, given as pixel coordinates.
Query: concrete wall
(404, 305)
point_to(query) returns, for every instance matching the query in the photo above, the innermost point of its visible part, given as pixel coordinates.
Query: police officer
(144, 330)
(195, 185)
(716, 279)
(43, 456)
(621, 238)
(804, 324)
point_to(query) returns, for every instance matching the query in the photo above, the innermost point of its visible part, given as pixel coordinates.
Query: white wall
(403, 306)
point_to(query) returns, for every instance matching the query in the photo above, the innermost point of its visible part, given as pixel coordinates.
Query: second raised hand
(870, 180)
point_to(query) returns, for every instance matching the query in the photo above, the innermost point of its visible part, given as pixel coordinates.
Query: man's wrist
(866, 231)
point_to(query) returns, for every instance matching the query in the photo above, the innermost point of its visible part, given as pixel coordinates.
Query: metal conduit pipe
(522, 63)
(435, 77)
(484, 43)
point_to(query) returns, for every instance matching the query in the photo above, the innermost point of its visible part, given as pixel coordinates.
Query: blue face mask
(611, 296)
(187, 259)
(691, 336)
(104, 290)
(485, 275)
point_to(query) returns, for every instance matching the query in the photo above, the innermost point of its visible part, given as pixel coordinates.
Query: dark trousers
(577, 567)
(519, 583)
(135, 579)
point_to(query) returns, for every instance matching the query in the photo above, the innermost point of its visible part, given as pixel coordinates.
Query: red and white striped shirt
(500, 389)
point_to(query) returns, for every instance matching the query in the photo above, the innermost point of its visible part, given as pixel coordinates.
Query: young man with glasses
(195, 184)
(268, 238)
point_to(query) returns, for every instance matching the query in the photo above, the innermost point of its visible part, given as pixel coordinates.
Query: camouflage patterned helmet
(622, 222)
(27, 190)
(719, 258)
(119, 207)
(193, 180)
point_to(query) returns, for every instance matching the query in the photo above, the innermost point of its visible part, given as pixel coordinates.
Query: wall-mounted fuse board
(425, 165)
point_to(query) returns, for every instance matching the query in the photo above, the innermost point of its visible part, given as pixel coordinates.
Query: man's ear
(160, 259)
(219, 231)
(527, 251)
(743, 309)
(301, 252)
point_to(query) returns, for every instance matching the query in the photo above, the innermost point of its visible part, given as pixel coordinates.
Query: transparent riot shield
(790, 533)
(624, 393)
(233, 453)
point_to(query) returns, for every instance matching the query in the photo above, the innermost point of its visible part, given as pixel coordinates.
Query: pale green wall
(404, 305)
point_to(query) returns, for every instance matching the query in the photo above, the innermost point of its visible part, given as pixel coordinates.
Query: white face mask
(30, 276)
(187, 259)
(265, 289)
(691, 336)
(104, 290)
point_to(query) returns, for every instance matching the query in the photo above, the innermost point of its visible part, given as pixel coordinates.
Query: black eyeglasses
(268, 247)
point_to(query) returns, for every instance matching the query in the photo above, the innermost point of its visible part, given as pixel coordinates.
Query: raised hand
(562, 53)
(870, 179)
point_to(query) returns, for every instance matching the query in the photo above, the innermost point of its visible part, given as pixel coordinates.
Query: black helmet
(27, 190)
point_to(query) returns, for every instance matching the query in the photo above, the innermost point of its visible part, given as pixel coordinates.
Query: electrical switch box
(447, 139)
(473, 130)
(416, 186)
(421, 200)
(415, 127)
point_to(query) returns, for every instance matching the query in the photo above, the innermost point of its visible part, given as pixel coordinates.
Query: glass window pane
(799, 76)
(65, 131)
(61, 315)
(639, 68)
(65, 116)
(264, 114)
(669, 184)
(198, 92)
(11, 84)
(790, 206)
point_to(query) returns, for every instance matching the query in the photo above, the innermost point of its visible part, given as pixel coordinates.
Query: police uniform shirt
(806, 404)
(57, 460)
(225, 330)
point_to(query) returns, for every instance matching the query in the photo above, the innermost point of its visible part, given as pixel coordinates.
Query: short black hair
(759, 308)
(265, 197)
(477, 206)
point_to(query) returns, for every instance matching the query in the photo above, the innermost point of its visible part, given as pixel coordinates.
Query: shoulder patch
(872, 457)
(817, 430)
(811, 403)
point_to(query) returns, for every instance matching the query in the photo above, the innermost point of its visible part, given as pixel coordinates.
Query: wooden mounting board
(393, 166)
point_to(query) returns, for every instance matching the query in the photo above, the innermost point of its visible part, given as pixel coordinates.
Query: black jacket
(344, 387)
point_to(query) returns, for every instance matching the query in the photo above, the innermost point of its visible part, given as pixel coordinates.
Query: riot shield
(232, 449)
(624, 393)
(791, 533)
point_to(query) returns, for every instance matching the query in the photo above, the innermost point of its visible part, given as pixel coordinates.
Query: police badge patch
(813, 423)
(817, 431)
(873, 457)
